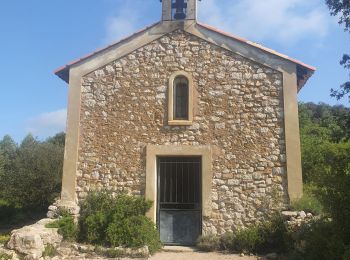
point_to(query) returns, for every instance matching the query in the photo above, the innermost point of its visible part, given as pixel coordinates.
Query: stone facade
(238, 110)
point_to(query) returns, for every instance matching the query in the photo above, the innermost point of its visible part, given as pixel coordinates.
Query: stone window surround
(171, 120)
(153, 151)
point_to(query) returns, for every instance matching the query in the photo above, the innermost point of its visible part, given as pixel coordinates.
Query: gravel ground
(198, 256)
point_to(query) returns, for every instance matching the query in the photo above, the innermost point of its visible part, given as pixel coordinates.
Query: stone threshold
(179, 249)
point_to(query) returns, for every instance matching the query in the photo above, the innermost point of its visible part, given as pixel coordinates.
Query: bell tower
(179, 10)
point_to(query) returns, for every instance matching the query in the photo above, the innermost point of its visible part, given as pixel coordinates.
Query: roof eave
(304, 71)
(301, 66)
(63, 72)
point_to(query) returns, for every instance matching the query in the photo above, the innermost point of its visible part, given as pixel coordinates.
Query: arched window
(180, 99)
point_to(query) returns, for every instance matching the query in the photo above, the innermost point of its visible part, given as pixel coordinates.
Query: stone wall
(238, 110)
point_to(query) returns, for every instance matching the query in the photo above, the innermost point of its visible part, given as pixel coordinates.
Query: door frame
(153, 151)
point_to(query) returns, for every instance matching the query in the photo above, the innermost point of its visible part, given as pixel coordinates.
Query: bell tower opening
(179, 10)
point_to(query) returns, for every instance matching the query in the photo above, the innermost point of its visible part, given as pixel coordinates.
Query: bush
(117, 221)
(247, 240)
(134, 231)
(66, 227)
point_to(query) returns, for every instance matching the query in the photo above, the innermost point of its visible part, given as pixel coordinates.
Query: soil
(199, 256)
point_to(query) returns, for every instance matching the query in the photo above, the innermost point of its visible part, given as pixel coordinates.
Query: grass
(66, 227)
(4, 256)
(308, 202)
(4, 238)
(50, 251)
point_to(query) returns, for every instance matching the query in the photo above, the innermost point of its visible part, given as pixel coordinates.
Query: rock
(309, 215)
(271, 256)
(289, 214)
(9, 253)
(51, 214)
(302, 214)
(31, 240)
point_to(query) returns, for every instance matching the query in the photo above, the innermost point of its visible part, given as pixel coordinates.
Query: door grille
(179, 199)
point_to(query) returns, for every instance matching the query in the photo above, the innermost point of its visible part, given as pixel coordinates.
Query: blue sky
(37, 36)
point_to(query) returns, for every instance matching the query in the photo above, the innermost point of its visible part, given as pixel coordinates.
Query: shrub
(134, 231)
(247, 240)
(209, 243)
(66, 227)
(117, 221)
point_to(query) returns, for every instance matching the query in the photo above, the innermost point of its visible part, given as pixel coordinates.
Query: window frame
(171, 119)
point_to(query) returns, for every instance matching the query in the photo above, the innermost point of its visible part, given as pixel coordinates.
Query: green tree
(8, 148)
(320, 124)
(59, 139)
(36, 174)
(334, 182)
(341, 8)
(2, 163)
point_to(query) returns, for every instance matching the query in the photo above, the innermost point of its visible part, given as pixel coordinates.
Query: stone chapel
(200, 121)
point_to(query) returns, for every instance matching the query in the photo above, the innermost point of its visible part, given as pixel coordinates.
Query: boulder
(31, 240)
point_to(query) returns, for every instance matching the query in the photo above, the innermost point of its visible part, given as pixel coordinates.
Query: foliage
(270, 236)
(309, 202)
(66, 227)
(326, 168)
(341, 8)
(333, 187)
(49, 251)
(134, 231)
(320, 126)
(319, 240)
(30, 176)
(117, 221)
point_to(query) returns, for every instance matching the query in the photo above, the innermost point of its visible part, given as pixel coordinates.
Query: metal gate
(179, 199)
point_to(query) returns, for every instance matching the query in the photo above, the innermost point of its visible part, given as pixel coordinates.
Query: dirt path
(198, 256)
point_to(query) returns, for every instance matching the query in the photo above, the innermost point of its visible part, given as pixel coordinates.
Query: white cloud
(127, 19)
(47, 124)
(282, 21)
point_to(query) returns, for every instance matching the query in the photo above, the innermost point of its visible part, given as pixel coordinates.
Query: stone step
(179, 249)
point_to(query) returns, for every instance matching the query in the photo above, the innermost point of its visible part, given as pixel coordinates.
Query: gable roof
(304, 71)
